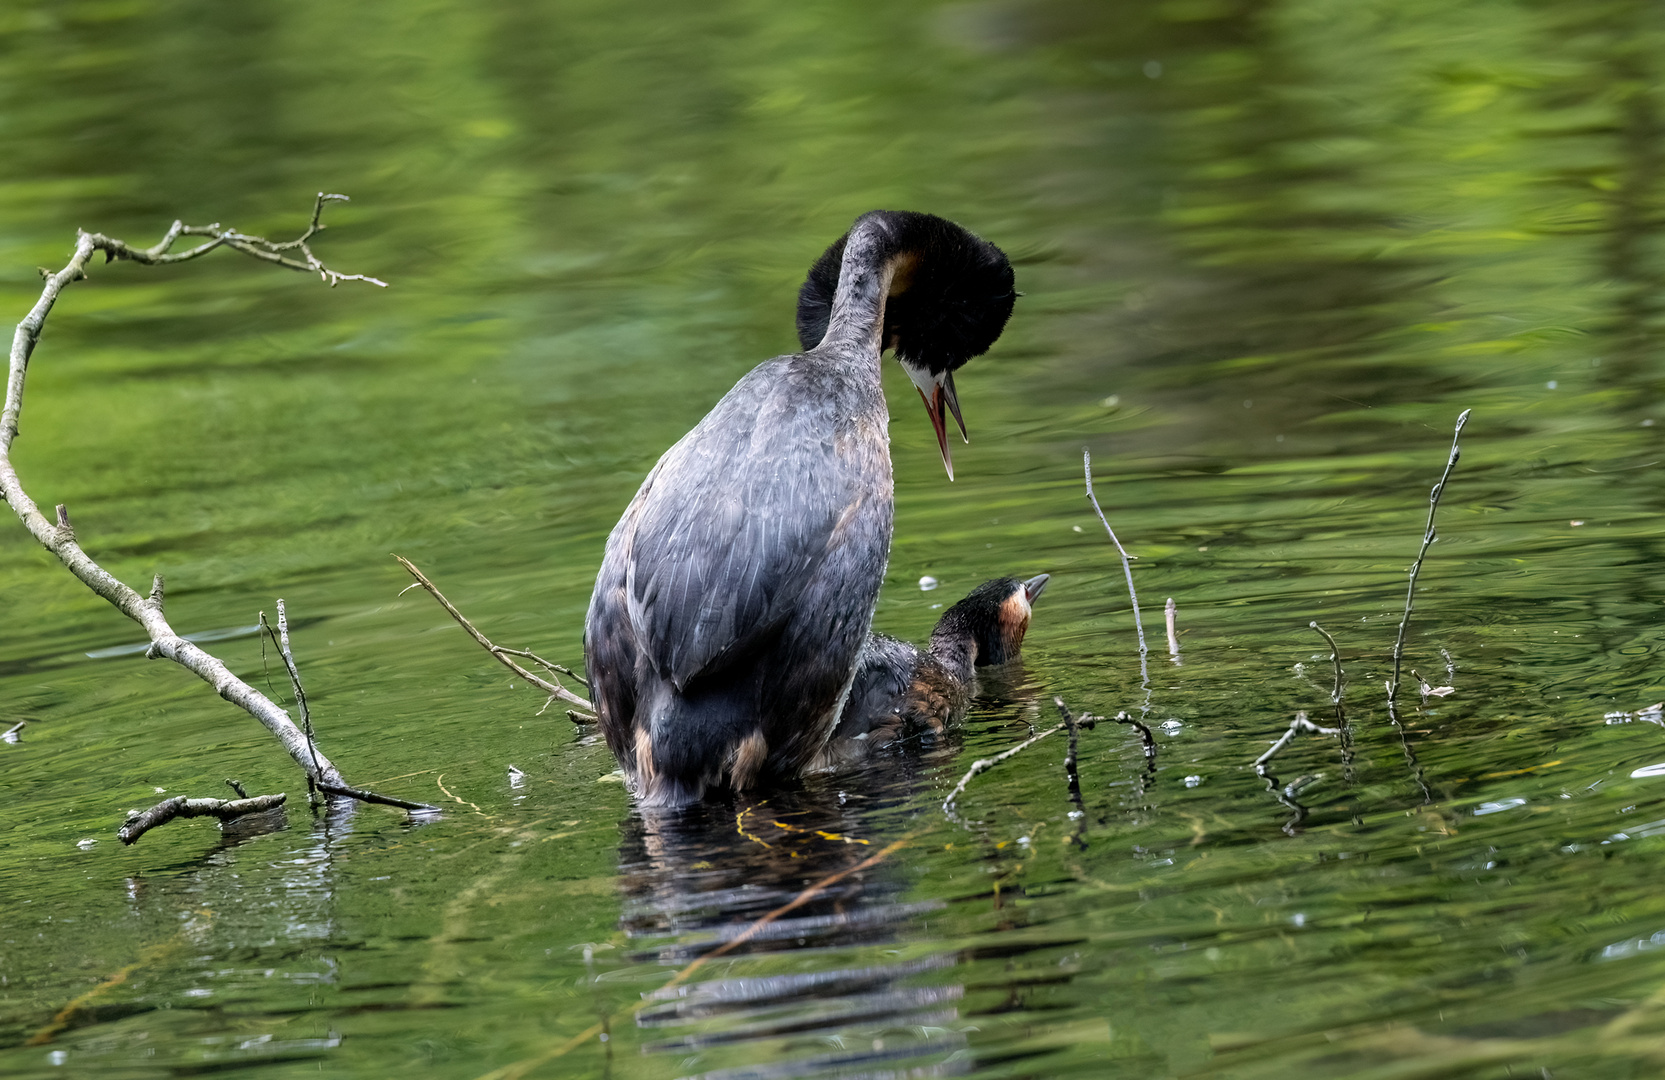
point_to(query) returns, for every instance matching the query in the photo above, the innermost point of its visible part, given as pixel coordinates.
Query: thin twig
(140, 822)
(1071, 769)
(1335, 699)
(1428, 538)
(1286, 795)
(553, 689)
(1127, 568)
(1146, 735)
(294, 675)
(1172, 612)
(366, 795)
(984, 764)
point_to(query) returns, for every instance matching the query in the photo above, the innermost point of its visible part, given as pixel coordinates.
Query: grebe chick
(901, 689)
(737, 589)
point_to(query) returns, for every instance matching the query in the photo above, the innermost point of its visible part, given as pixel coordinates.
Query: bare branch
(254, 246)
(140, 822)
(553, 688)
(58, 536)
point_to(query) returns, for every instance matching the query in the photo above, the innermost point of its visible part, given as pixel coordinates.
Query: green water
(1269, 251)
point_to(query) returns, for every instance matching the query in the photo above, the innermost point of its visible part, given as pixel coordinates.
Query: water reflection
(731, 881)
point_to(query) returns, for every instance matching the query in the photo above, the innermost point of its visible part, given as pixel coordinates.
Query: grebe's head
(951, 293)
(995, 617)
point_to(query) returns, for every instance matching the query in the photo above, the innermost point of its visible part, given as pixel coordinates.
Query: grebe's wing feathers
(732, 525)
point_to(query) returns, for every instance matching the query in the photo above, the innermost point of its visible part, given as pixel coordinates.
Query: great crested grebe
(737, 589)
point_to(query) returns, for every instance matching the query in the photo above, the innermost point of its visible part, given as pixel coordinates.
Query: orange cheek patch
(1014, 620)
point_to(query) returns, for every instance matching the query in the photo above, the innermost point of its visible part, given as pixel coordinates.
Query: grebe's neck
(956, 651)
(865, 279)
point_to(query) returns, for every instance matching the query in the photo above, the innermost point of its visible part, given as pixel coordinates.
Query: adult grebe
(738, 587)
(901, 690)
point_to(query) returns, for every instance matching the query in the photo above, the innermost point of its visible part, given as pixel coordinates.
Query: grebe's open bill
(934, 408)
(953, 399)
(1036, 585)
(937, 392)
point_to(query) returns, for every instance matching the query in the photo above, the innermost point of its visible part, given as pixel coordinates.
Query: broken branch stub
(140, 822)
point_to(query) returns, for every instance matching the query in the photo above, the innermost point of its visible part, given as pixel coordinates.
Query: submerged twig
(985, 764)
(1296, 726)
(1146, 735)
(140, 822)
(550, 686)
(1428, 538)
(1127, 569)
(1286, 794)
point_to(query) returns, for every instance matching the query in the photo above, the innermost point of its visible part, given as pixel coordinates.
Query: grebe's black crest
(949, 301)
(953, 307)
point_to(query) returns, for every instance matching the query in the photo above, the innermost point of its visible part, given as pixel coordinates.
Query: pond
(1269, 251)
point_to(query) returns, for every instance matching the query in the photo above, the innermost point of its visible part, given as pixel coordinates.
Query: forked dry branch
(58, 536)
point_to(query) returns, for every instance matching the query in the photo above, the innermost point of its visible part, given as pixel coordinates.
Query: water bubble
(1171, 727)
(1193, 781)
(86, 845)
(927, 583)
(1497, 807)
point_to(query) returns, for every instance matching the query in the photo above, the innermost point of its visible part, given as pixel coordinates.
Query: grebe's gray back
(738, 587)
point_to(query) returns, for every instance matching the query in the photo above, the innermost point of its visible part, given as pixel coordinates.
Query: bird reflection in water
(697, 884)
